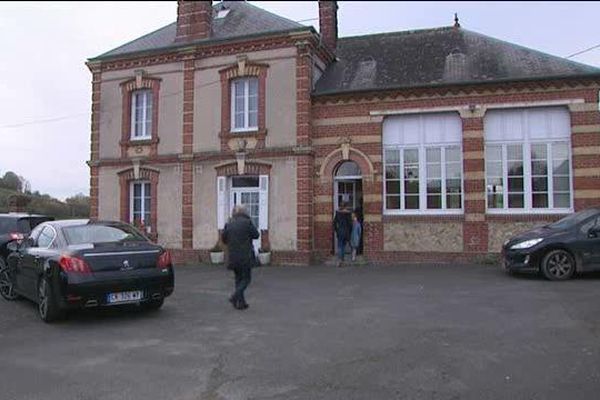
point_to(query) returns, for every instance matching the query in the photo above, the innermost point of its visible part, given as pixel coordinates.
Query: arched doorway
(348, 188)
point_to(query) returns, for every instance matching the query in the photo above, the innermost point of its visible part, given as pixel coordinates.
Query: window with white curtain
(141, 114)
(423, 163)
(244, 104)
(527, 160)
(140, 203)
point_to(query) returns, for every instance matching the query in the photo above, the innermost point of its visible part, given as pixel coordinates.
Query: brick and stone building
(449, 141)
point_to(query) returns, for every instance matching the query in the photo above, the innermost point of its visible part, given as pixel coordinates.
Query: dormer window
(244, 105)
(141, 114)
(222, 13)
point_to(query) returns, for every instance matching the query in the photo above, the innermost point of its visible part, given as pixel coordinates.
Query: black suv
(16, 226)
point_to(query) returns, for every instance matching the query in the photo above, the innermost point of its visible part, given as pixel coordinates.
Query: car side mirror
(594, 232)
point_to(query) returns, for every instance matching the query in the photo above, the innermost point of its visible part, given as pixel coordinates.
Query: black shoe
(242, 305)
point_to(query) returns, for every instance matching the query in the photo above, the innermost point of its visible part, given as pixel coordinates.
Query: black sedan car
(558, 250)
(15, 226)
(70, 264)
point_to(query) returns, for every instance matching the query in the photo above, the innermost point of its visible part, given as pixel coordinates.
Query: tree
(79, 205)
(11, 181)
(25, 185)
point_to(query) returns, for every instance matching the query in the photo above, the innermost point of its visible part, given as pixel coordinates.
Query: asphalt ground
(402, 332)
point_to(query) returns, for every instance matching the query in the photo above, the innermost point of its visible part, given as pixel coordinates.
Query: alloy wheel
(7, 289)
(43, 299)
(560, 265)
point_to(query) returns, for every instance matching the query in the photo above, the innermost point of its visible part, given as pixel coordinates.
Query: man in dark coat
(342, 225)
(238, 235)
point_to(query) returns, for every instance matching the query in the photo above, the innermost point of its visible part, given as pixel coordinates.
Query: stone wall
(423, 237)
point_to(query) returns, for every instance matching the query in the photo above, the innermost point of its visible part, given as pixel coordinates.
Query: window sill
(140, 139)
(519, 211)
(424, 217)
(422, 213)
(249, 130)
(139, 147)
(255, 136)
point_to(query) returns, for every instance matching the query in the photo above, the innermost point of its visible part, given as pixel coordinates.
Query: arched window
(348, 169)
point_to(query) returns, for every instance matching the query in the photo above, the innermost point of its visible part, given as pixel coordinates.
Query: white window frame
(527, 176)
(146, 128)
(144, 195)
(246, 127)
(423, 210)
(526, 142)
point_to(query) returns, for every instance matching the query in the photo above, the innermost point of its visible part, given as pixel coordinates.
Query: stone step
(333, 261)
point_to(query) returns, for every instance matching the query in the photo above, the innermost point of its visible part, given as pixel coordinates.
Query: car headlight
(526, 244)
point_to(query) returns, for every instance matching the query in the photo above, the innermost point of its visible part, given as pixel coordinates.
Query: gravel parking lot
(405, 332)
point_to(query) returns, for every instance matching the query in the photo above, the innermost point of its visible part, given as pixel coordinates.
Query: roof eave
(449, 84)
(203, 42)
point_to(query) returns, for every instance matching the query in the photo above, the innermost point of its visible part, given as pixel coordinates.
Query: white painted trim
(246, 82)
(142, 202)
(145, 133)
(522, 211)
(527, 104)
(419, 110)
(452, 211)
(522, 104)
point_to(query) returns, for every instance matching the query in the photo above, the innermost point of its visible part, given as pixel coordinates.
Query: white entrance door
(251, 192)
(249, 198)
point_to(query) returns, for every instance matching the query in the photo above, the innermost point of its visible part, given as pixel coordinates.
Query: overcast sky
(45, 86)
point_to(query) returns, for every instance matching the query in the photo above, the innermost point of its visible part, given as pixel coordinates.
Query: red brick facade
(328, 131)
(475, 221)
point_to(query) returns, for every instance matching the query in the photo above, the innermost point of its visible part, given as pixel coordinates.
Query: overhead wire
(584, 51)
(109, 109)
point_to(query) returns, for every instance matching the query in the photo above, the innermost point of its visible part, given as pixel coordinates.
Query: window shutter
(221, 181)
(263, 207)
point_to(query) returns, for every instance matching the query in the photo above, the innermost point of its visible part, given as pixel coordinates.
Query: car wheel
(153, 304)
(7, 286)
(558, 265)
(48, 308)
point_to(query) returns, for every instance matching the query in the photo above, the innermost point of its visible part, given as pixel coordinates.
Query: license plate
(124, 297)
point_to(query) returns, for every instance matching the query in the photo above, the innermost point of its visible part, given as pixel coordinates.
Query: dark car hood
(543, 232)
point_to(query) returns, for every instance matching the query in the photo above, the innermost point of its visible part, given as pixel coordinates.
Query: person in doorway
(356, 235)
(237, 235)
(342, 225)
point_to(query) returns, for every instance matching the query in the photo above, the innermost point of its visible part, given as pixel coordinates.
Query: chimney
(194, 20)
(328, 23)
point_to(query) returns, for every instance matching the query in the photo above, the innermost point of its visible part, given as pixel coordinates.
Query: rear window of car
(7, 225)
(82, 234)
(21, 225)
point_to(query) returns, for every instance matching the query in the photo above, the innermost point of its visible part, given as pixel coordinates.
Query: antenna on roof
(456, 23)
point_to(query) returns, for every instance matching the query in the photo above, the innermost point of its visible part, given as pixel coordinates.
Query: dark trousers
(243, 276)
(341, 242)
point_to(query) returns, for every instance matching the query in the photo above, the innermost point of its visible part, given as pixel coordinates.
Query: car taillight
(164, 260)
(74, 264)
(16, 236)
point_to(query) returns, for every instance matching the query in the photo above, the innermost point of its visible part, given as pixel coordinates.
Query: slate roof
(243, 19)
(420, 58)
(433, 57)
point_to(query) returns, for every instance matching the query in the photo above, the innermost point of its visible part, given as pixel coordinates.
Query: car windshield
(573, 219)
(81, 234)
